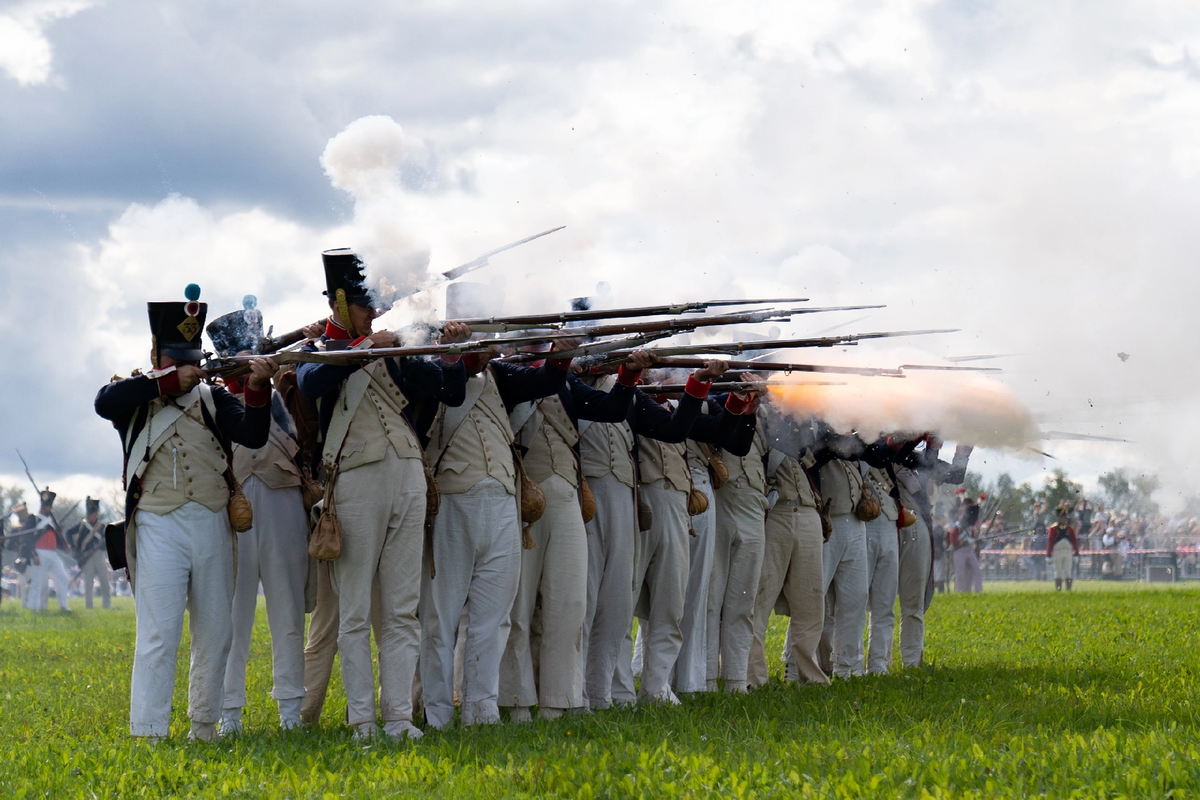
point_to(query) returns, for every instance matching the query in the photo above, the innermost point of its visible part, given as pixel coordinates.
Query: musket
(737, 348)
(730, 386)
(1012, 532)
(942, 368)
(29, 475)
(231, 366)
(648, 331)
(482, 261)
(778, 366)
(502, 324)
(565, 318)
(271, 344)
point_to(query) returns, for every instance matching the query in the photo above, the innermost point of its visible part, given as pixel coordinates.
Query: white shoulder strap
(347, 401)
(157, 429)
(774, 459)
(521, 414)
(207, 396)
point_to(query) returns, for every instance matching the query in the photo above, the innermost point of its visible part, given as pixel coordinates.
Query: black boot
(1058, 584)
(1069, 582)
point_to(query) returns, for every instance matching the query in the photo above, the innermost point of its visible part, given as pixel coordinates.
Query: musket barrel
(501, 324)
(776, 366)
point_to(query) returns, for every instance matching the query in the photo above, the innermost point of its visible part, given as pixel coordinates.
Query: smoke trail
(364, 161)
(965, 408)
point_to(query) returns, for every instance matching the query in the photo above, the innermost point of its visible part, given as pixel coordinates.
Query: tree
(1125, 491)
(9, 497)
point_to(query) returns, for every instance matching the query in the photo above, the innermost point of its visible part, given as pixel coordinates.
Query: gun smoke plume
(364, 161)
(964, 408)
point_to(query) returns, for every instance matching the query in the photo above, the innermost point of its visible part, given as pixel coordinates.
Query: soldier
(691, 667)
(1061, 546)
(374, 463)
(922, 544)
(178, 539)
(275, 548)
(883, 569)
(47, 564)
(606, 455)
(661, 575)
(22, 540)
(555, 568)
(967, 575)
(475, 562)
(839, 479)
(87, 541)
(737, 565)
(792, 580)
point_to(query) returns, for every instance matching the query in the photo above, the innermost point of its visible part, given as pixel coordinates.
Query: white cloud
(25, 52)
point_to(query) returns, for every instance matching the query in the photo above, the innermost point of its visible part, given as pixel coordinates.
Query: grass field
(1025, 693)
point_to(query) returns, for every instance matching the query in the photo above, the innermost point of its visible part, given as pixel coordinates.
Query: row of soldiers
(497, 525)
(38, 539)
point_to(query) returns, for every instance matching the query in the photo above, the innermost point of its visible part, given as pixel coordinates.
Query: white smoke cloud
(25, 51)
(364, 160)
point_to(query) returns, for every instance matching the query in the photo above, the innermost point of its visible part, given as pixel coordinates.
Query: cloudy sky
(1024, 171)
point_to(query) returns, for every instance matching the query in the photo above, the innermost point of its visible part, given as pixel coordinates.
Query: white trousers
(737, 566)
(916, 553)
(968, 577)
(845, 565)
(611, 538)
(275, 551)
(95, 570)
(322, 641)
(883, 565)
(557, 571)
(791, 567)
(660, 583)
(381, 507)
(477, 555)
(691, 668)
(39, 587)
(1063, 558)
(184, 562)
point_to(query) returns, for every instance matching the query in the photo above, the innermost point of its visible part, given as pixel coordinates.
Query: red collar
(335, 331)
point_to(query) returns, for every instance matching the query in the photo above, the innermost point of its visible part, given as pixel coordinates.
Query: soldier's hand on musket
(189, 376)
(563, 345)
(751, 392)
(384, 339)
(641, 360)
(261, 372)
(712, 370)
(313, 331)
(454, 333)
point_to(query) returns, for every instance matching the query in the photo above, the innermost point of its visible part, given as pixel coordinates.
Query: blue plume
(249, 302)
(192, 292)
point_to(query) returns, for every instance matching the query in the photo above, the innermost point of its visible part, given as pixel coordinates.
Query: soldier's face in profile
(362, 317)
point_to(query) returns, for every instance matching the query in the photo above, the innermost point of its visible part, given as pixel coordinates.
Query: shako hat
(176, 326)
(345, 273)
(238, 330)
(92, 505)
(47, 497)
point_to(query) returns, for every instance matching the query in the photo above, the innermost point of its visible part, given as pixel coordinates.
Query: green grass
(1025, 693)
